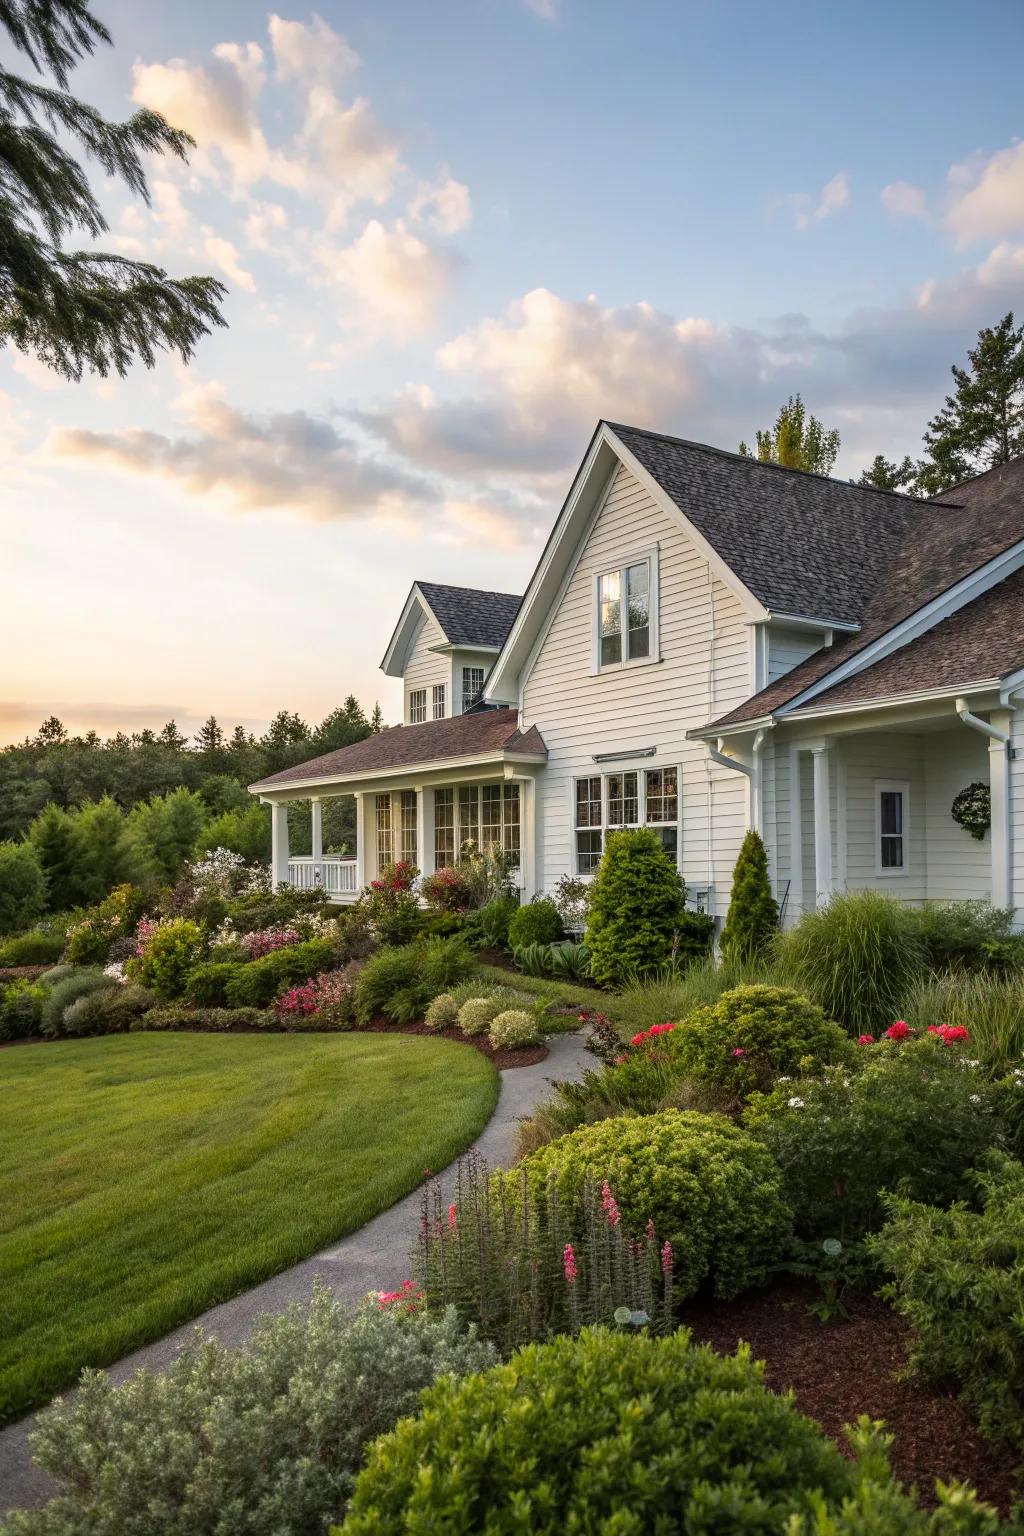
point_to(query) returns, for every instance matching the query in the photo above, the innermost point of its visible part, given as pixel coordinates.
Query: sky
(454, 236)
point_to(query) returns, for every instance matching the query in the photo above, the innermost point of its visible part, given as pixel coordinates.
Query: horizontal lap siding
(787, 648)
(425, 668)
(959, 866)
(580, 714)
(1016, 771)
(868, 759)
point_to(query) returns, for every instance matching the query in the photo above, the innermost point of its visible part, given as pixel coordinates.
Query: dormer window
(626, 613)
(417, 706)
(438, 701)
(472, 686)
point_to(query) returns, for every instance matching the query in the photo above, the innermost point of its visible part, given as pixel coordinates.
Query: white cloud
(214, 102)
(288, 461)
(904, 201)
(35, 372)
(396, 279)
(313, 54)
(808, 210)
(224, 254)
(264, 221)
(443, 205)
(169, 210)
(353, 159)
(987, 196)
(547, 10)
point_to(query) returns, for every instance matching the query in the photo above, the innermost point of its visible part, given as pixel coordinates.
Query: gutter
(977, 724)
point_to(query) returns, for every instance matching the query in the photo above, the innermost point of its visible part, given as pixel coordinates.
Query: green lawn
(565, 994)
(145, 1177)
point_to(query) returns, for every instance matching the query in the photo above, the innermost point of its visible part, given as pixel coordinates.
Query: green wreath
(972, 809)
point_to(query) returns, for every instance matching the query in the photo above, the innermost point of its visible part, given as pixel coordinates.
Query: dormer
(444, 646)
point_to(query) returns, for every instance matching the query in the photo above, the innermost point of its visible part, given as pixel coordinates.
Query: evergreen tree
(637, 907)
(210, 737)
(166, 830)
(342, 727)
(52, 733)
(80, 309)
(52, 835)
(376, 720)
(982, 422)
(753, 918)
(22, 887)
(886, 475)
(172, 737)
(796, 441)
(106, 853)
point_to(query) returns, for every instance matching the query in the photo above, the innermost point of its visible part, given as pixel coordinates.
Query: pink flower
(619, 1060)
(739, 1051)
(865, 1039)
(408, 1299)
(949, 1034)
(609, 1206)
(666, 1257)
(569, 1264)
(898, 1031)
(649, 1230)
(451, 1218)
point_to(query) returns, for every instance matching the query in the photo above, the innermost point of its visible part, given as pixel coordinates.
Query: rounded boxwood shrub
(476, 1014)
(34, 948)
(709, 1187)
(751, 1035)
(81, 981)
(207, 983)
(637, 908)
(257, 983)
(443, 1012)
(512, 1029)
(107, 1011)
(169, 954)
(607, 1432)
(537, 923)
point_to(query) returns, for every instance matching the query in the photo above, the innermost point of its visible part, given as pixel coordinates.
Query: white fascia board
(741, 728)
(894, 700)
(923, 619)
(1009, 684)
(800, 621)
(448, 649)
(401, 770)
(722, 570)
(395, 656)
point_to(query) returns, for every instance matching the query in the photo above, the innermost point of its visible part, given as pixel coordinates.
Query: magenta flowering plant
(265, 940)
(328, 997)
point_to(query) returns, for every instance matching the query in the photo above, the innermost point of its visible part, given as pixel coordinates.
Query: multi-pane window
(891, 821)
(417, 706)
(627, 799)
(407, 814)
(444, 828)
(490, 815)
(624, 614)
(472, 686)
(385, 840)
(510, 824)
(469, 816)
(438, 701)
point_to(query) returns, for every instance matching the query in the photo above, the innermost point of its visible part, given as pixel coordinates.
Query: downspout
(718, 756)
(1002, 880)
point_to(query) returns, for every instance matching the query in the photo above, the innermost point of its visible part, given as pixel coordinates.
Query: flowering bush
(751, 1035)
(263, 1440)
(447, 890)
(89, 942)
(391, 905)
(265, 940)
(708, 1187)
(913, 1114)
(520, 1271)
(256, 984)
(328, 998)
(513, 1028)
(607, 1432)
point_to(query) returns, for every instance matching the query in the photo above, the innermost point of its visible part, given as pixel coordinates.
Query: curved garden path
(376, 1257)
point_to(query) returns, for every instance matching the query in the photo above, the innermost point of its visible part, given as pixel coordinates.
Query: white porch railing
(337, 875)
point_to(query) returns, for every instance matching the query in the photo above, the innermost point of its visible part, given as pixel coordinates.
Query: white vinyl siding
(704, 670)
(425, 669)
(1016, 797)
(788, 647)
(959, 866)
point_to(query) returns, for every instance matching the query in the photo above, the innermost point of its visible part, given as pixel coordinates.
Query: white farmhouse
(708, 644)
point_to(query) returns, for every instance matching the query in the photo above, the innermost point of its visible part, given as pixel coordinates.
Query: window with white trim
(417, 706)
(629, 798)
(438, 701)
(481, 816)
(444, 828)
(407, 824)
(385, 842)
(892, 806)
(625, 617)
(472, 686)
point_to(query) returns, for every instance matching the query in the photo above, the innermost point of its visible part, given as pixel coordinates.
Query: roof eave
(398, 770)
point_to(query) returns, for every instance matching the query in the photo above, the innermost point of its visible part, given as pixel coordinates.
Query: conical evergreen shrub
(753, 917)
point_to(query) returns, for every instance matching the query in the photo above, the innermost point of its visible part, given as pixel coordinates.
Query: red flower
(569, 1264)
(451, 1218)
(739, 1051)
(666, 1257)
(898, 1031)
(949, 1034)
(865, 1039)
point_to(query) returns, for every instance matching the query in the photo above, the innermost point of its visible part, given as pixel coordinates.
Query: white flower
(785, 1079)
(975, 1098)
(795, 1103)
(116, 970)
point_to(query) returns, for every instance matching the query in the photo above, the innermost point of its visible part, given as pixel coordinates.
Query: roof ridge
(752, 463)
(448, 586)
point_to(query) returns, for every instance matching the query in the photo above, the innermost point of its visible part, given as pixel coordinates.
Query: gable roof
(468, 616)
(944, 545)
(494, 732)
(803, 544)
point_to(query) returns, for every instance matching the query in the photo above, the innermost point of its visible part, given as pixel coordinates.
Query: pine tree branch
(54, 34)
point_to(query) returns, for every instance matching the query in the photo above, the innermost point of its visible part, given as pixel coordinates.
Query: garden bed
(525, 1056)
(21, 973)
(844, 1368)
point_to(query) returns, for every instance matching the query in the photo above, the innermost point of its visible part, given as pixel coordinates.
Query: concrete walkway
(376, 1257)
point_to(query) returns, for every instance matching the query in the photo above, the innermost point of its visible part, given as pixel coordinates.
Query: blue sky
(454, 236)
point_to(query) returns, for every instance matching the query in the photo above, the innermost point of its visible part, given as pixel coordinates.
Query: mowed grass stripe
(148, 1177)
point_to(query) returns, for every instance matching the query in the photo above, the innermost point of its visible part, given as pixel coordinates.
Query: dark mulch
(23, 972)
(498, 957)
(526, 1057)
(841, 1369)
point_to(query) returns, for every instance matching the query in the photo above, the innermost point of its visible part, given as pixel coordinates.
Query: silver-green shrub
(476, 1014)
(443, 1012)
(259, 1441)
(513, 1028)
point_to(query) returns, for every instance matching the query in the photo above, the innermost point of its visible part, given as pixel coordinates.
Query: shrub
(89, 942)
(607, 1432)
(489, 926)
(35, 948)
(21, 1009)
(961, 934)
(168, 952)
(446, 890)
(512, 1028)
(401, 982)
(857, 957)
(391, 906)
(752, 1034)
(990, 1006)
(572, 902)
(442, 1012)
(637, 908)
(711, 1190)
(569, 961)
(208, 982)
(752, 921)
(258, 1440)
(257, 984)
(81, 981)
(264, 941)
(536, 923)
(57, 973)
(106, 1011)
(958, 1280)
(476, 1013)
(207, 1020)
(325, 1003)
(917, 1116)
(22, 887)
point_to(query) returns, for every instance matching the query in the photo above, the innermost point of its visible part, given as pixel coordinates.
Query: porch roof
(492, 732)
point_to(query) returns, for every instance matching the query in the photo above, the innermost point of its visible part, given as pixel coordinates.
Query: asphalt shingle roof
(492, 730)
(471, 617)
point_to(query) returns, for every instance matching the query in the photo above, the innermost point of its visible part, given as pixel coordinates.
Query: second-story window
(417, 706)
(472, 686)
(625, 618)
(438, 701)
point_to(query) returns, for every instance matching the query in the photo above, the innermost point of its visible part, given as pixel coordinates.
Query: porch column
(360, 798)
(999, 793)
(421, 826)
(279, 843)
(317, 829)
(822, 825)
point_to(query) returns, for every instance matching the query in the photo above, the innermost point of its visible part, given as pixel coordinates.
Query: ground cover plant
(146, 1177)
(264, 1439)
